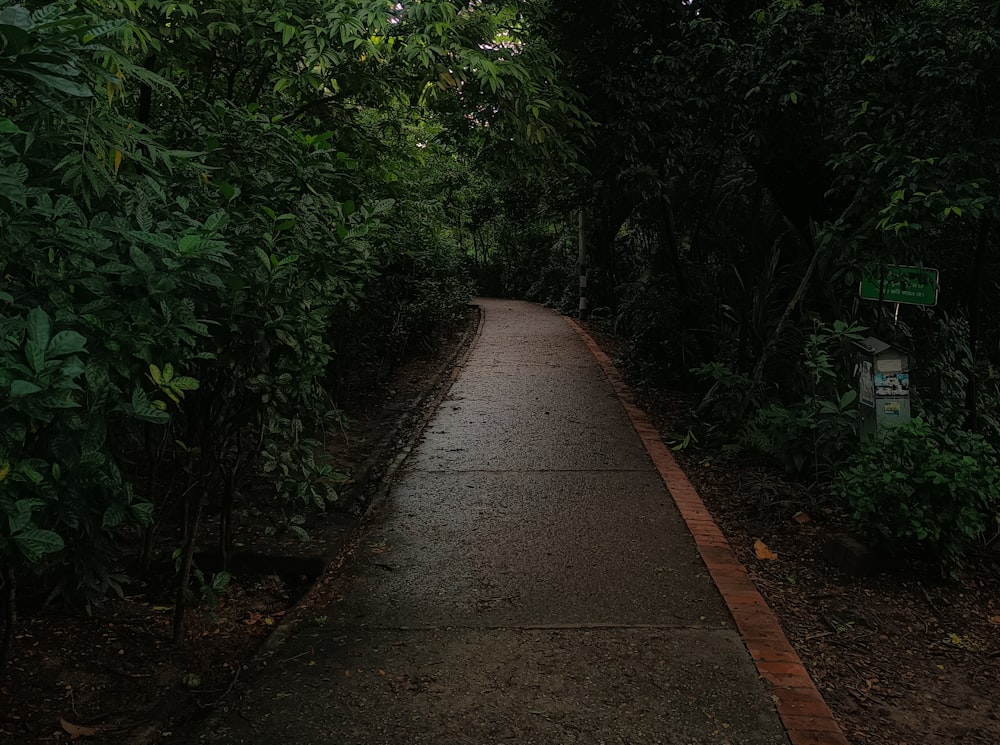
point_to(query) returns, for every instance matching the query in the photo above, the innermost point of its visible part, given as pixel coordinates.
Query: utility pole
(582, 263)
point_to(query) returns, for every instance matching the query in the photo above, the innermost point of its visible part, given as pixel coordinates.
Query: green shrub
(913, 489)
(813, 436)
(809, 426)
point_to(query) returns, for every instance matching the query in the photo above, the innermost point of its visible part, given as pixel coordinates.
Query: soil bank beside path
(529, 579)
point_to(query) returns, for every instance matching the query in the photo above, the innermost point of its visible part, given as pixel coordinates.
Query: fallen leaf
(995, 620)
(801, 518)
(76, 731)
(763, 552)
(963, 642)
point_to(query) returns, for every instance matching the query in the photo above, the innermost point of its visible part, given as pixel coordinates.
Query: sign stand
(884, 370)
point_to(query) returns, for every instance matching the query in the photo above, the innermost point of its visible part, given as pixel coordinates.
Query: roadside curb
(805, 715)
(384, 455)
(429, 400)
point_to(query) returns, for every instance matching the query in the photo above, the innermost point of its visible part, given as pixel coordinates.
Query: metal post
(582, 263)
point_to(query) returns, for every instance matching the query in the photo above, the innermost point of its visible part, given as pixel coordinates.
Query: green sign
(903, 284)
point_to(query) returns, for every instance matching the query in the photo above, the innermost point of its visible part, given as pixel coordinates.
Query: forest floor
(116, 677)
(900, 657)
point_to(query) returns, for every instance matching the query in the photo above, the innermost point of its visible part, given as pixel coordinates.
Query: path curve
(530, 579)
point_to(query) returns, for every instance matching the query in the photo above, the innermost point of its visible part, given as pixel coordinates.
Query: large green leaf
(142, 512)
(39, 327)
(21, 388)
(59, 83)
(142, 262)
(17, 17)
(114, 515)
(14, 39)
(21, 515)
(66, 342)
(35, 544)
(144, 411)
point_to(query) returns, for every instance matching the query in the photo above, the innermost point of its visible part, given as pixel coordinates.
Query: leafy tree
(212, 213)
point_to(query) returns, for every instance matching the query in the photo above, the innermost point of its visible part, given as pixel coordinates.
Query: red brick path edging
(807, 718)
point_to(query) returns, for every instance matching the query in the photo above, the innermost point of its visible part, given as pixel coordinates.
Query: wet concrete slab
(538, 548)
(540, 686)
(512, 384)
(529, 580)
(522, 444)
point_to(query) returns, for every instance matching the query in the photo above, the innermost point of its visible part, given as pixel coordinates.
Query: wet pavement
(529, 580)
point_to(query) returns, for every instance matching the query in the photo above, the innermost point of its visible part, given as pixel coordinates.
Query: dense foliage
(749, 162)
(215, 218)
(218, 218)
(921, 491)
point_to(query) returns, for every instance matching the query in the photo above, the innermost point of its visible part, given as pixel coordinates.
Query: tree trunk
(668, 230)
(145, 109)
(753, 270)
(975, 311)
(187, 562)
(611, 209)
(8, 613)
(772, 343)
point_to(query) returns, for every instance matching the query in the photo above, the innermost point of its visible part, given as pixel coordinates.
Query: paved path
(530, 581)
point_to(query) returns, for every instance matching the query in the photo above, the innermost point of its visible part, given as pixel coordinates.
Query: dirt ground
(901, 658)
(115, 677)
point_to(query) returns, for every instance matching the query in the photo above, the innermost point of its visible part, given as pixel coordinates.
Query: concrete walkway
(530, 581)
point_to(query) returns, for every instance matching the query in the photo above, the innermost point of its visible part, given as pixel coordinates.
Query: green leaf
(66, 342)
(17, 17)
(189, 244)
(229, 191)
(142, 512)
(35, 544)
(184, 383)
(22, 388)
(35, 353)
(39, 327)
(142, 262)
(144, 411)
(59, 83)
(217, 221)
(30, 473)
(21, 518)
(15, 39)
(114, 515)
